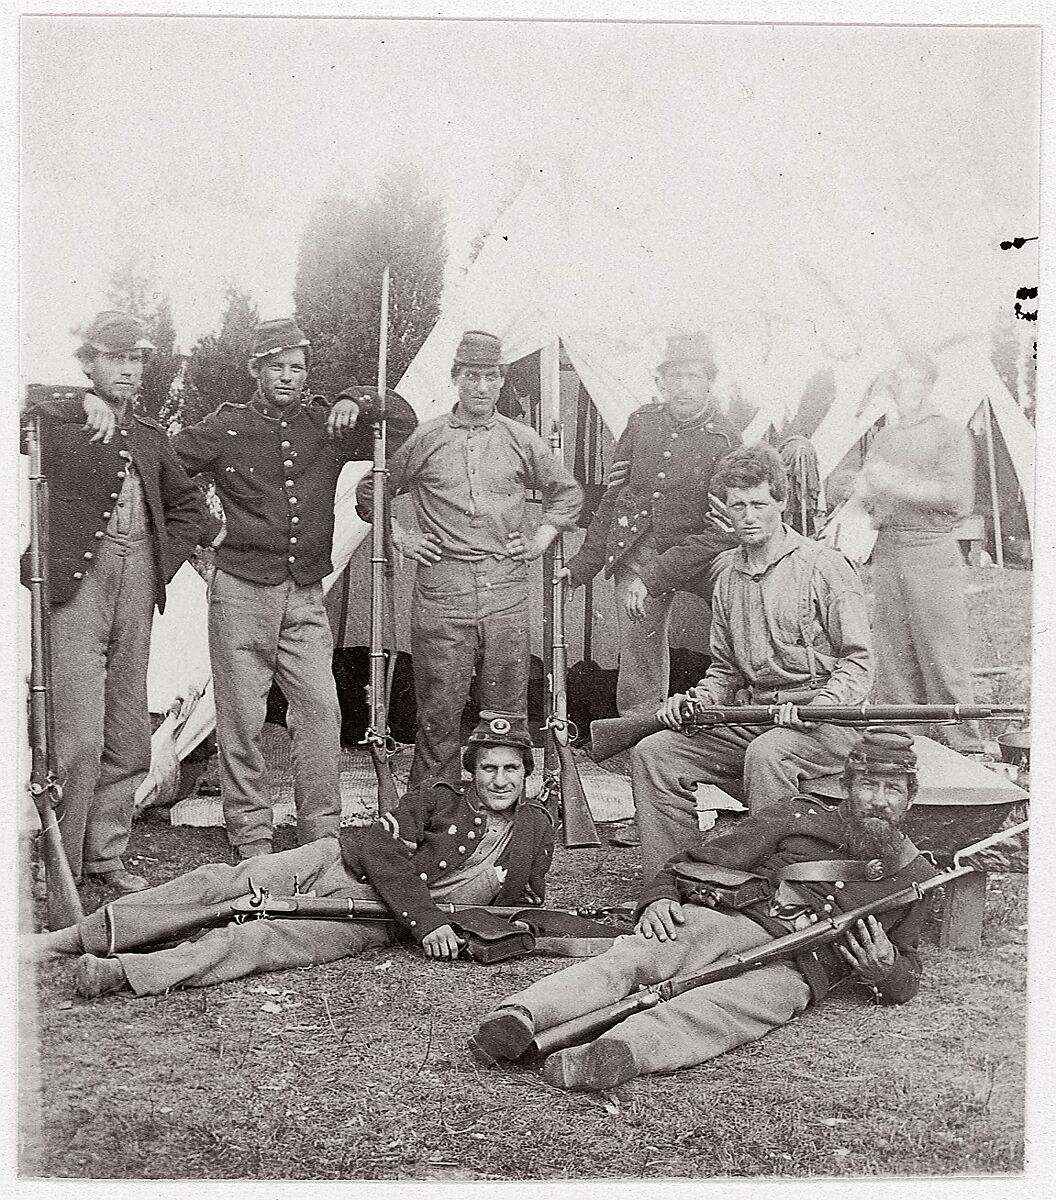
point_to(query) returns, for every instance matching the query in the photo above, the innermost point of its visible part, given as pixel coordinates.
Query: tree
(216, 369)
(345, 247)
(132, 290)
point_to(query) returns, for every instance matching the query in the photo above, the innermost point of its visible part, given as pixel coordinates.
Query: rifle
(377, 737)
(118, 927)
(612, 735)
(590, 1025)
(577, 825)
(63, 902)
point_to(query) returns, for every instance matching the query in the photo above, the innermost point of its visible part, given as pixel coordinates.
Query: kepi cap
(478, 349)
(688, 347)
(271, 337)
(113, 331)
(884, 750)
(501, 729)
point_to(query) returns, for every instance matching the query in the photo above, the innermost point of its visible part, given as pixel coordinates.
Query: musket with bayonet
(591, 1025)
(611, 736)
(377, 737)
(63, 902)
(577, 825)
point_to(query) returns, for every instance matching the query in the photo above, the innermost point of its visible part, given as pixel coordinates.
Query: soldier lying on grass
(823, 861)
(484, 844)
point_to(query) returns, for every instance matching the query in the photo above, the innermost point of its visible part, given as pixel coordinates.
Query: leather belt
(833, 870)
(788, 696)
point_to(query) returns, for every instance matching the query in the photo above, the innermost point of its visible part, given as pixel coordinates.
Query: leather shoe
(595, 1067)
(121, 879)
(98, 976)
(504, 1032)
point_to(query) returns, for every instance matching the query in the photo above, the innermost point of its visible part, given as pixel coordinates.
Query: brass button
(78, 574)
(98, 534)
(88, 554)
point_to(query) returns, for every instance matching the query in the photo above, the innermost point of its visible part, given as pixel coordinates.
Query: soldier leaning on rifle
(838, 861)
(789, 626)
(275, 463)
(467, 473)
(652, 530)
(479, 844)
(122, 518)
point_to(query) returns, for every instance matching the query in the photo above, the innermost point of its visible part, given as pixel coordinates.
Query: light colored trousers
(465, 613)
(260, 633)
(645, 656)
(920, 622)
(235, 951)
(693, 1027)
(100, 643)
(776, 763)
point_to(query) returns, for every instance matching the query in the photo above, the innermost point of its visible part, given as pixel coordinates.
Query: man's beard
(874, 837)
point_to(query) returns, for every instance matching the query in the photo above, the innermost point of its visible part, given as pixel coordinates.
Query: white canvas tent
(561, 263)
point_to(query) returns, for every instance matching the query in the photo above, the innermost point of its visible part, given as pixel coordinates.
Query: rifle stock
(63, 902)
(588, 1026)
(615, 734)
(577, 825)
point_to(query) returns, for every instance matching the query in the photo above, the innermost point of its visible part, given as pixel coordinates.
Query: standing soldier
(122, 517)
(275, 463)
(653, 530)
(467, 472)
(917, 483)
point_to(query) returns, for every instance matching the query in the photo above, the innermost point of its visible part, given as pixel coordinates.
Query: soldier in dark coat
(275, 463)
(478, 844)
(653, 531)
(817, 861)
(122, 516)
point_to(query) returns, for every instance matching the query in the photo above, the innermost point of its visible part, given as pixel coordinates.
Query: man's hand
(342, 418)
(619, 473)
(634, 600)
(868, 950)
(422, 547)
(661, 920)
(99, 419)
(719, 516)
(534, 547)
(565, 576)
(787, 716)
(670, 712)
(442, 943)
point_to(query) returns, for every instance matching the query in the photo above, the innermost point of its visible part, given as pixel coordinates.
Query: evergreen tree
(345, 248)
(216, 370)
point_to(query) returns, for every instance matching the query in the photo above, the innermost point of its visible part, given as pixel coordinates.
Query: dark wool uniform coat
(804, 831)
(276, 478)
(85, 480)
(666, 498)
(433, 830)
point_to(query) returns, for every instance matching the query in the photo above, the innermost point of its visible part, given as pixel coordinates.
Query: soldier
(916, 484)
(482, 844)
(653, 530)
(819, 862)
(275, 463)
(122, 517)
(789, 626)
(467, 472)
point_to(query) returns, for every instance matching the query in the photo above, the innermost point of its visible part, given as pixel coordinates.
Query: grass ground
(358, 1069)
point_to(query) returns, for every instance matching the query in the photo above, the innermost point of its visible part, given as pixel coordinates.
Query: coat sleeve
(188, 521)
(382, 852)
(590, 557)
(400, 419)
(196, 446)
(692, 556)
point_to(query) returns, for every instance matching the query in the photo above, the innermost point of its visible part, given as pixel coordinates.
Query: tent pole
(991, 463)
(549, 412)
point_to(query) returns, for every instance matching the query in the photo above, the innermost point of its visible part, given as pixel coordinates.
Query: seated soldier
(789, 626)
(482, 844)
(675, 938)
